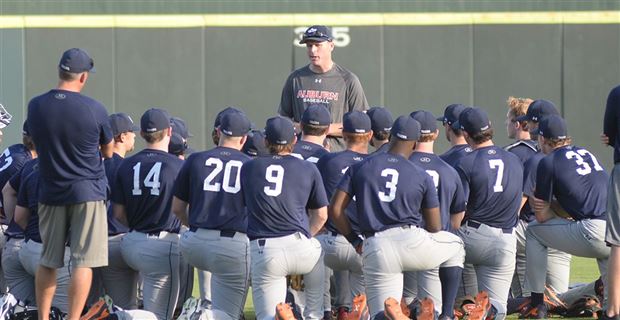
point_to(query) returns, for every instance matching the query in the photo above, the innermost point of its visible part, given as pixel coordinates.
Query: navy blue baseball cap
(380, 118)
(553, 127)
(427, 121)
(317, 115)
(177, 144)
(179, 126)
(317, 33)
(279, 130)
(451, 113)
(25, 130)
(76, 60)
(539, 109)
(356, 122)
(473, 120)
(406, 128)
(122, 122)
(235, 124)
(255, 144)
(155, 119)
(223, 112)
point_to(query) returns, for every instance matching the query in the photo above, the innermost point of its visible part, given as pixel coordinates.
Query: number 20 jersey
(577, 180)
(492, 180)
(277, 191)
(144, 184)
(210, 182)
(390, 191)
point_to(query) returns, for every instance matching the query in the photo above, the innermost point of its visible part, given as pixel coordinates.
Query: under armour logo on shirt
(317, 80)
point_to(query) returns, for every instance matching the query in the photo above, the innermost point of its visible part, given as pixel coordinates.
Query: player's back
(492, 179)
(308, 151)
(111, 167)
(390, 191)
(576, 179)
(277, 191)
(447, 183)
(333, 167)
(210, 181)
(524, 149)
(455, 153)
(144, 185)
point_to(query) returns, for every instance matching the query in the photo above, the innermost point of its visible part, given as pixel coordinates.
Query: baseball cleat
(554, 303)
(405, 308)
(426, 310)
(97, 311)
(190, 306)
(284, 312)
(517, 305)
(359, 309)
(538, 312)
(479, 309)
(392, 310)
(342, 314)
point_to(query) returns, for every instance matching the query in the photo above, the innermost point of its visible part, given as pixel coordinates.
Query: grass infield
(583, 270)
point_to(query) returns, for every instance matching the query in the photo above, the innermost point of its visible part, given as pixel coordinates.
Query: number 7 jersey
(574, 176)
(492, 180)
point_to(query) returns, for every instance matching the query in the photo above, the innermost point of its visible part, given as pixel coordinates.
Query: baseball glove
(585, 307)
(297, 282)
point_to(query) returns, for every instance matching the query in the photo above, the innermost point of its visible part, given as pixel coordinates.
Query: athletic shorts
(612, 235)
(84, 225)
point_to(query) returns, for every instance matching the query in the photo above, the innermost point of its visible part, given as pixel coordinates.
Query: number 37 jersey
(493, 180)
(277, 191)
(574, 176)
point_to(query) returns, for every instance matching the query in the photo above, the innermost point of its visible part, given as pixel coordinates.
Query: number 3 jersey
(210, 182)
(390, 191)
(277, 191)
(144, 185)
(576, 179)
(492, 180)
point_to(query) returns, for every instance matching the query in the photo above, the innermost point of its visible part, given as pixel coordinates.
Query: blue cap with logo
(473, 120)
(317, 33)
(451, 113)
(76, 60)
(317, 115)
(356, 122)
(380, 118)
(539, 109)
(155, 119)
(406, 128)
(177, 144)
(223, 112)
(279, 130)
(427, 121)
(553, 127)
(235, 124)
(255, 144)
(121, 123)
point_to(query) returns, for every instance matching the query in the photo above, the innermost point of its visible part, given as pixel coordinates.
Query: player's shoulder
(527, 144)
(345, 73)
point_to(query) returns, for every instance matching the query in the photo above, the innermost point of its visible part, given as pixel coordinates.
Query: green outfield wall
(195, 58)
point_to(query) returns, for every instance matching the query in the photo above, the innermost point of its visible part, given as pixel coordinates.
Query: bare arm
(337, 207)
(542, 209)
(523, 202)
(22, 215)
(9, 196)
(318, 217)
(179, 207)
(456, 219)
(335, 129)
(120, 213)
(432, 219)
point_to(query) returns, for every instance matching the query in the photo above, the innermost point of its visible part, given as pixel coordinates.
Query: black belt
(9, 237)
(223, 233)
(372, 233)
(333, 234)
(477, 225)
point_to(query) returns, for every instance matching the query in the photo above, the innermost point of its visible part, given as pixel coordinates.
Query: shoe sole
(392, 310)
(427, 310)
(359, 309)
(284, 312)
(481, 307)
(554, 303)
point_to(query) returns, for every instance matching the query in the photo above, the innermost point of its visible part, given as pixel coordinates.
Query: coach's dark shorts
(84, 224)
(612, 236)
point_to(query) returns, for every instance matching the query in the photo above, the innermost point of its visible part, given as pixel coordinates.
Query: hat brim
(315, 39)
(135, 128)
(440, 119)
(522, 118)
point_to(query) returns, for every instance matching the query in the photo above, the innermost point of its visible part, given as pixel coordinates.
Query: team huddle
(334, 209)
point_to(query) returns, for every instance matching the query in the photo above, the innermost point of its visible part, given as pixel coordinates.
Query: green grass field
(582, 271)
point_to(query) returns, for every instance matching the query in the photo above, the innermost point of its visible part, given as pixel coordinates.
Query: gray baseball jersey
(338, 89)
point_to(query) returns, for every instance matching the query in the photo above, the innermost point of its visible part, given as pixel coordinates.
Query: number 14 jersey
(493, 180)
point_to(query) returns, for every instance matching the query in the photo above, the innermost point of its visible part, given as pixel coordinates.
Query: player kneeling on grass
(287, 206)
(393, 196)
(209, 183)
(579, 184)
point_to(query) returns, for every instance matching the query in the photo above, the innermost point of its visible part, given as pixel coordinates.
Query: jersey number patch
(211, 185)
(391, 184)
(583, 167)
(7, 157)
(151, 181)
(275, 175)
(499, 164)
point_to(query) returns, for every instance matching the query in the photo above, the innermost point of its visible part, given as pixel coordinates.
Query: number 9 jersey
(277, 191)
(576, 179)
(492, 180)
